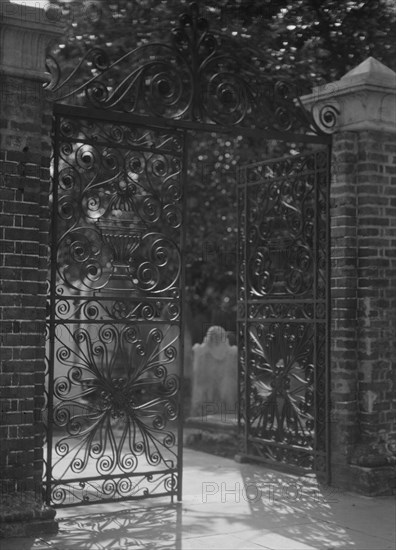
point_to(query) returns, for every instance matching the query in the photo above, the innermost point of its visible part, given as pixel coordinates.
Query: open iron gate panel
(283, 313)
(115, 331)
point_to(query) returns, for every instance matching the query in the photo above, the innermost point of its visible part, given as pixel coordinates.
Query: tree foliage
(322, 39)
(318, 40)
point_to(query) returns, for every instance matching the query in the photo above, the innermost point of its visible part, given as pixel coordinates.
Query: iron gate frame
(51, 483)
(320, 451)
(195, 118)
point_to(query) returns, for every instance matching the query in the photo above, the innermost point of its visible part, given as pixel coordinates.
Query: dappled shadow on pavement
(264, 508)
(230, 506)
(315, 515)
(136, 527)
(296, 511)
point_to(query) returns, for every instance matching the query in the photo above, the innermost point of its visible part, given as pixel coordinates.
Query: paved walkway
(228, 506)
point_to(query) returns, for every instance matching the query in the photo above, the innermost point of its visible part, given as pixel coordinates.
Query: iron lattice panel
(283, 310)
(114, 325)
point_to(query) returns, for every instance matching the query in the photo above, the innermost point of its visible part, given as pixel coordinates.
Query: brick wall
(343, 354)
(376, 263)
(24, 227)
(363, 347)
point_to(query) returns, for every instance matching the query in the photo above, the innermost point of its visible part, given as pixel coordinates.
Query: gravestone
(215, 376)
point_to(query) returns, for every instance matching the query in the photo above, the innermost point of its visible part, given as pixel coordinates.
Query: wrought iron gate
(283, 310)
(115, 323)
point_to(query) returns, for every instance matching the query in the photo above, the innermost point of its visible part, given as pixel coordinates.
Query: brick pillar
(25, 119)
(360, 111)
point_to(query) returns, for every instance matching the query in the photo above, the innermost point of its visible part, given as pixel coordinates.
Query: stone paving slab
(225, 506)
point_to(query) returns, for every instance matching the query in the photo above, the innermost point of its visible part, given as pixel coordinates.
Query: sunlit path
(229, 505)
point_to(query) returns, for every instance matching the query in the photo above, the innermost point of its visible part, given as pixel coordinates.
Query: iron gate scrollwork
(115, 320)
(283, 310)
(199, 78)
(115, 327)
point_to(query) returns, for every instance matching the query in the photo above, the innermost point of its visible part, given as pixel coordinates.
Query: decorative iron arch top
(200, 75)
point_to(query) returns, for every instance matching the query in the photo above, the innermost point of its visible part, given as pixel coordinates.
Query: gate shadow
(140, 526)
(300, 512)
(298, 508)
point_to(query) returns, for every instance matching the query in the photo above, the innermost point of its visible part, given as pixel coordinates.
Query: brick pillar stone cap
(363, 99)
(371, 71)
(27, 28)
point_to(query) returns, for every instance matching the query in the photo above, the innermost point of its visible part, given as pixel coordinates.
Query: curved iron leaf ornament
(200, 75)
(283, 309)
(119, 207)
(114, 324)
(114, 406)
(282, 229)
